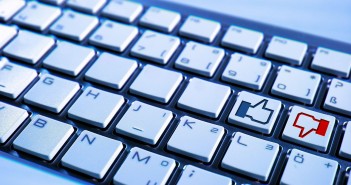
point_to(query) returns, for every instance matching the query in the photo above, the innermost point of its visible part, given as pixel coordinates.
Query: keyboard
(150, 93)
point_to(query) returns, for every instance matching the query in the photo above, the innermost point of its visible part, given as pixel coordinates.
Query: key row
(239, 158)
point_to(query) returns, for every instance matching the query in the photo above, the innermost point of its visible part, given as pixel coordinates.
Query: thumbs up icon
(257, 113)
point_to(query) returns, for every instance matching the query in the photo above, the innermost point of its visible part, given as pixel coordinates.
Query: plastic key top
(7, 33)
(240, 156)
(345, 149)
(96, 107)
(195, 132)
(54, 2)
(148, 167)
(29, 47)
(53, 135)
(92, 154)
(14, 78)
(11, 118)
(90, 6)
(37, 15)
(8, 8)
(195, 175)
(338, 98)
(51, 93)
(122, 10)
(65, 25)
(304, 169)
(160, 19)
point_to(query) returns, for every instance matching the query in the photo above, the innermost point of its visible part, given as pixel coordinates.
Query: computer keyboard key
(200, 29)
(14, 78)
(96, 107)
(195, 175)
(200, 59)
(122, 10)
(50, 136)
(309, 128)
(90, 6)
(65, 26)
(144, 122)
(29, 47)
(147, 168)
(288, 84)
(51, 93)
(338, 98)
(189, 137)
(79, 56)
(114, 36)
(251, 156)
(156, 83)
(204, 97)
(92, 154)
(332, 62)
(156, 47)
(116, 70)
(8, 8)
(11, 118)
(242, 39)
(286, 50)
(54, 2)
(247, 71)
(255, 112)
(160, 19)
(7, 33)
(345, 148)
(304, 169)
(37, 16)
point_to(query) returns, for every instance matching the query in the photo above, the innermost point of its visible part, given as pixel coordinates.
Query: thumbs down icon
(308, 124)
(257, 113)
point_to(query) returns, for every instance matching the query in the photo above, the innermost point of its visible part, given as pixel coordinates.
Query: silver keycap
(65, 26)
(238, 158)
(242, 39)
(286, 50)
(144, 122)
(195, 175)
(309, 128)
(79, 57)
(160, 19)
(111, 70)
(96, 107)
(90, 6)
(51, 93)
(7, 33)
(55, 2)
(155, 46)
(151, 77)
(11, 118)
(29, 47)
(345, 149)
(114, 36)
(14, 78)
(199, 58)
(332, 62)
(304, 169)
(50, 136)
(247, 71)
(338, 98)
(196, 97)
(8, 8)
(122, 10)
(255, 112)
(92, 154)
(148, 167)
(196, 139)
(288, 84)
(200, 29)
(37, 16)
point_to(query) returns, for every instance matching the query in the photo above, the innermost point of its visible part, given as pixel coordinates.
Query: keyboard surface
(148, 92)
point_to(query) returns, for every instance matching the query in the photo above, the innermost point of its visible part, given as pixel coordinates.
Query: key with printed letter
(9, 7)
(160, 19)
(144, 122)
(188, 139)
(194, 175)
(147, 167)
(338, 97)
(305, 169)
(288, 84)
(92, 154)
(96, 107)
(50, 136)
(200, 29)
(11, 118)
